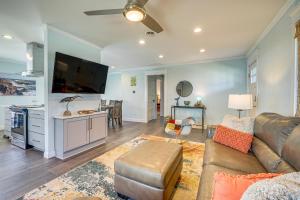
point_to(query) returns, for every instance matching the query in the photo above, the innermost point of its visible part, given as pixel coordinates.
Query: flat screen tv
(76, 75)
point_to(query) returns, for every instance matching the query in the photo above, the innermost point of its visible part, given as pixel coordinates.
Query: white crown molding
(51, 27)
(275, 20)
(181, 64)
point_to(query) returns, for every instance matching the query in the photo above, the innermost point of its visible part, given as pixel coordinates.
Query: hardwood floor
(22, 171)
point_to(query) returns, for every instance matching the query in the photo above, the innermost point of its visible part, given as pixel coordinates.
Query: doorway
(155, 97)
(252, 85)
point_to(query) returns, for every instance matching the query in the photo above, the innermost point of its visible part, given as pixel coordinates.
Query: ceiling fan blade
(152, 24)
(141, 2)
(104, 12)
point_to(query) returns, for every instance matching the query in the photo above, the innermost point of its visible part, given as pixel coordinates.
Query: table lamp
(199, 102)
(240, 102)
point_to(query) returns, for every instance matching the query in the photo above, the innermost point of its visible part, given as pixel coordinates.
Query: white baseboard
(199, 126)
(50, 154)
(134, 120)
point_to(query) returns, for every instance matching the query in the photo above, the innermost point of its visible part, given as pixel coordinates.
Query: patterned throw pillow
(233, 138)
(243, 124)
(232, 187)
(285, 187)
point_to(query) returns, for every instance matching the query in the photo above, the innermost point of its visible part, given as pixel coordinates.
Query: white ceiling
(230, 28)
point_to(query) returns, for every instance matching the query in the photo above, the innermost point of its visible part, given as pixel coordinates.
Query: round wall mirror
(184, 88)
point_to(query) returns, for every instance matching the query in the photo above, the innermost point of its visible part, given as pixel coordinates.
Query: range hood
(35, 60)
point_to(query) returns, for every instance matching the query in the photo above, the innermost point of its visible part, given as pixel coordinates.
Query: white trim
(50, 27)
(295, 15)
(180, 64)
(295, 91)
(151, 73)
(134, 120)
(48, 148)
(275, 20)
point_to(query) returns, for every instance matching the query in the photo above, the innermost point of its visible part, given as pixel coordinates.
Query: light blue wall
(10, 68)
(276, 70)
(57, 41)
(213, 81)
(118, 87)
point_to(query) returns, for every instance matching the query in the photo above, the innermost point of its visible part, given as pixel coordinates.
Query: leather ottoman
(149, 171)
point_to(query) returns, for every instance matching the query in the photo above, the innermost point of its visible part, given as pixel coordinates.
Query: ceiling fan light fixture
(134, 13)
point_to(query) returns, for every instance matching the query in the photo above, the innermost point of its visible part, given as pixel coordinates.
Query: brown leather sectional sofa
(275, 148)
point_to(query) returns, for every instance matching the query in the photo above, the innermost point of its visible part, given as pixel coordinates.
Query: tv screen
(75, 75)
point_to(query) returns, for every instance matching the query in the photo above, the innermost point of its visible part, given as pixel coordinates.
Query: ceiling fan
(133, 11)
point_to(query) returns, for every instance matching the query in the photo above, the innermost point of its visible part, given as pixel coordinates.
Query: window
(253, 75)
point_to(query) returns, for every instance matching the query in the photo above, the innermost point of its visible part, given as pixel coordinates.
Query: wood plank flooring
(21, 171)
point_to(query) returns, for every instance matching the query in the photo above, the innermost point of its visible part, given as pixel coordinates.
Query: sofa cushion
(273, 129)
(218, 154)
(152, 163)
(233, 138)
(231, 187)
(291, 149)
(269, 159)
(207, 177)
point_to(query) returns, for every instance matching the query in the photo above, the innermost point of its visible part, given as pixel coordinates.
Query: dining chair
(103, 103)
(115, 114)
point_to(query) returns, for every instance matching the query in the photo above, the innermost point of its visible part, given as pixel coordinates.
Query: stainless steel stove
(19, 125)
(19, 118)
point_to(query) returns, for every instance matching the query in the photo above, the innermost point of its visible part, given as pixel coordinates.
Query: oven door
(18, 124)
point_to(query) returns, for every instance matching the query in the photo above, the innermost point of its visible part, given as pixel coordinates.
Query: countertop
(75, 115)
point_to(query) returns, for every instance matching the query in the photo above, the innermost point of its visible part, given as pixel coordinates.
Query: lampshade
(240, 102)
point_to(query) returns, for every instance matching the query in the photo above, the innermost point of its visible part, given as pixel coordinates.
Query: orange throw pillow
(232, 187)
(235, 139)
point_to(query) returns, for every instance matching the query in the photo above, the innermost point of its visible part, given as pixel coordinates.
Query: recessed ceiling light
(161, 56)
(8, 37)
(112, 67)
(197, 30)
(142, 42)
(202, 50)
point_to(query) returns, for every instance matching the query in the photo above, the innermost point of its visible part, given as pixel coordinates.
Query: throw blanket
(285, 187)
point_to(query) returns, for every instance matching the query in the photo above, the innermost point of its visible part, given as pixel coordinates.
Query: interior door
(97, 128)
(152, 112)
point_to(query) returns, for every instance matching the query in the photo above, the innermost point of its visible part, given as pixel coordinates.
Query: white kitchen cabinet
(7, 122)
(97, 130)
(78, 133)
(36, 131)
(75, 133)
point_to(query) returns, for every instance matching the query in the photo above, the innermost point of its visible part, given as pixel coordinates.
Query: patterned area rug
(95, 178)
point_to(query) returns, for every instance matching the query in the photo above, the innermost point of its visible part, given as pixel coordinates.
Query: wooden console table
(189, 107)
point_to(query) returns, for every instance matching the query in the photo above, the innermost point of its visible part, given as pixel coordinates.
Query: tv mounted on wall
(76, 75)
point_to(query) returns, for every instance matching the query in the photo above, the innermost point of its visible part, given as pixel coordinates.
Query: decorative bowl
(187, 103)
(86, 112)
